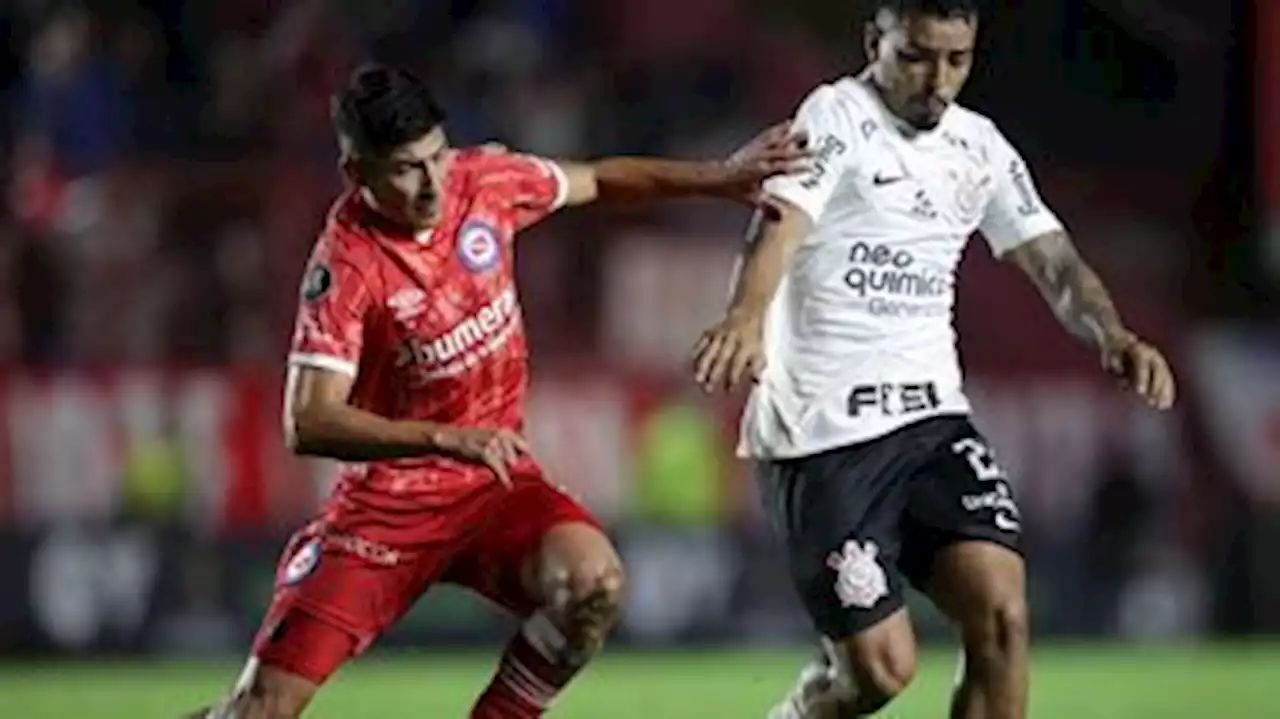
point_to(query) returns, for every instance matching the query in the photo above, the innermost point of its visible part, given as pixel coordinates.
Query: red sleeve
(332, 308)
(533, 187)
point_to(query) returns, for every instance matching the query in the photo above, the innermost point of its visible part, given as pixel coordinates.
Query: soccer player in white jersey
(858, 425)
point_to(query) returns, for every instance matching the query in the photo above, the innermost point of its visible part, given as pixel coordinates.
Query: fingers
(499, 468)
(756, 367)
(1145, 371)
(779, 132)
(503, 449)
(1142, 370)
(1162, 390)
(778, 149)
(1118, 364)
(740, 367)
(724, 359)
(707, 357)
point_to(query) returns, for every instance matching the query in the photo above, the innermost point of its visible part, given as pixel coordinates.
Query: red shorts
(336, 592)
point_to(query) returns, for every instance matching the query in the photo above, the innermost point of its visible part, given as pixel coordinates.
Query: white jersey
(859, 339)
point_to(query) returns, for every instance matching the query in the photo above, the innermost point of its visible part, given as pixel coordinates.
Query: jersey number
(980, 458)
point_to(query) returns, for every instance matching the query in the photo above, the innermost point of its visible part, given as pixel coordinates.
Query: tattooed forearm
(1072, 289)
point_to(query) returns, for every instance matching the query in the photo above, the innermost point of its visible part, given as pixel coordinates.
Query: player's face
(406, 184)
(921, 63)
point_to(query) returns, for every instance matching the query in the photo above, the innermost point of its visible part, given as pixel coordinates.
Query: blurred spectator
(74, 100)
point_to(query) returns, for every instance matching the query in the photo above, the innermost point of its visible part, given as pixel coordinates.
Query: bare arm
(1083, 305)
(634, 179)
(1073, 290)
(734, 348)
(771, 245)
(319, 422)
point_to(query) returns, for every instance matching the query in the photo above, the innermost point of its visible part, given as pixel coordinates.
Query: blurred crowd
(170, 161)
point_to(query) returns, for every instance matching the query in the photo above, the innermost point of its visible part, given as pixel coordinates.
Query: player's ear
(349, 166)
(871, 34)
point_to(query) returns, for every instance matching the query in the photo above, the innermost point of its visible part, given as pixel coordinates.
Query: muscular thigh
(839, 514)
(959, 494)
(501, 562)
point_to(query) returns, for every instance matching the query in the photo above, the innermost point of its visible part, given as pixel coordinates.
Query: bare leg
(863, 674)
(982, 587)
(578, 579)
(262, 693)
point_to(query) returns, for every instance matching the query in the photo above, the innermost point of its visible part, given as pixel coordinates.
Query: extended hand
(729, 352)
(776, 151)
(1141, 369)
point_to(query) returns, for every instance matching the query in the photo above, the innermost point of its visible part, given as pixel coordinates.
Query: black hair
(382, 108)
(946, 9)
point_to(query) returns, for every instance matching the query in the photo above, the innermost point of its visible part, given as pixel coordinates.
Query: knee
(998, 631)
(880, 674)
(888, 674)
(596, 593)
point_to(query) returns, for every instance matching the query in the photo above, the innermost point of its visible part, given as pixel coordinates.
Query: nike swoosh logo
(880, 180)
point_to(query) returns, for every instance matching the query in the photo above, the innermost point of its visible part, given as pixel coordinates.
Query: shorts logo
(1006, 523)
(303, 563)
(478, 246)
(860, 580)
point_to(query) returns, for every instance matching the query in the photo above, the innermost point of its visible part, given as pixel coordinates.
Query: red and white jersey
(430, 327)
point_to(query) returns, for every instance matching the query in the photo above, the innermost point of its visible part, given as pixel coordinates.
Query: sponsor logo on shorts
(999, 500)
(860, 580)
(366, 549)
(478, 246)
(1006, 523)
(304, 562)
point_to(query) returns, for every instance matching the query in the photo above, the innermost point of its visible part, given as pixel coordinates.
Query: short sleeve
(332, 309)
(533, 187)
(1015, 213)
(829, 129)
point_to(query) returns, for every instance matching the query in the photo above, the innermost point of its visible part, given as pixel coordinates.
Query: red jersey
(430, 327)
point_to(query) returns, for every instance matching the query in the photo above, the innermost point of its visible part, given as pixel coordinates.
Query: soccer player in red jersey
(409, 364)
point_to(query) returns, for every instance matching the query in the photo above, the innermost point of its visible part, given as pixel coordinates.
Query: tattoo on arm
(1071, 287)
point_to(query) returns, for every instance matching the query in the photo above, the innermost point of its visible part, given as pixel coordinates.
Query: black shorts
(860, 521)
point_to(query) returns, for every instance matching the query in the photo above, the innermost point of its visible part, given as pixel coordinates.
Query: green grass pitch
(1069, 682)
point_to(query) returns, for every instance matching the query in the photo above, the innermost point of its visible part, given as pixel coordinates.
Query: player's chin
(421, 218)
(925, 119)
(926, 114)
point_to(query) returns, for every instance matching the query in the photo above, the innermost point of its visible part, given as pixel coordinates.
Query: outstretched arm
(1084, 307)
(634, 179)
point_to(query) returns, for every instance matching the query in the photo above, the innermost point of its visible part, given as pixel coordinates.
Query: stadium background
(168, 164)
